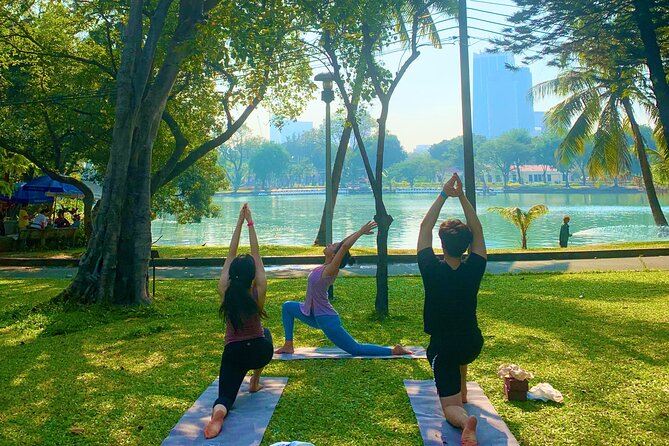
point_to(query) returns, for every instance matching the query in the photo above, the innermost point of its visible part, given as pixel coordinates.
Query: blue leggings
(331, 326)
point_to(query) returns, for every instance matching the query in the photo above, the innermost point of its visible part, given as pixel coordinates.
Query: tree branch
(180, 144)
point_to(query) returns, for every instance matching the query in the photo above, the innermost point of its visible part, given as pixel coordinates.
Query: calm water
(294, 219)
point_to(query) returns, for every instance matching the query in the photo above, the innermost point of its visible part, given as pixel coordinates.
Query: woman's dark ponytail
(238, 304)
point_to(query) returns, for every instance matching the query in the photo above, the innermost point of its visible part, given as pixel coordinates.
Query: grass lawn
(127, 376)
(171, 252)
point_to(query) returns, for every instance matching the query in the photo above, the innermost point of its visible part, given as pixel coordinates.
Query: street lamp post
(467, 137)
(327, 95)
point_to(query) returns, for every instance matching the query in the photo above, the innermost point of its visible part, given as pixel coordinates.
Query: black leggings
(446, 357)
(238, 358)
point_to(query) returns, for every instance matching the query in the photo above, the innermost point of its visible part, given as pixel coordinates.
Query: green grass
(172, 252)
(125, 376)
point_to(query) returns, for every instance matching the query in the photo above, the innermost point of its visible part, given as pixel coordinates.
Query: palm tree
(598, 108)
(520, 218)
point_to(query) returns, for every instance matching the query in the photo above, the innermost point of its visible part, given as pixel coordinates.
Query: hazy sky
(425, 107)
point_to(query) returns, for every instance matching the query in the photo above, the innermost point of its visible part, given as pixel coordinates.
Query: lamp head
(326, 78)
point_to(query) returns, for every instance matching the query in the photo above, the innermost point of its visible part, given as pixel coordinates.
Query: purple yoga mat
(245, 424)
(337, 353)
(490, 431)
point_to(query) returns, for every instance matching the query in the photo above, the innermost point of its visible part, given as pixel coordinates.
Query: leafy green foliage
(416, 166)
(189, 196)
(269, 161)
(58, 69)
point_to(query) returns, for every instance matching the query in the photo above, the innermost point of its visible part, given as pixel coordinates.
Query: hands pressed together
(245, 214)
(453, 187)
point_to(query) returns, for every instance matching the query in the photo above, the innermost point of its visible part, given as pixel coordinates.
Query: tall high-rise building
(501, 95)
(290, 129)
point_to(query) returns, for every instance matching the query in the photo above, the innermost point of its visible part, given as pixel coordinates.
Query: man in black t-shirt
(449, 312)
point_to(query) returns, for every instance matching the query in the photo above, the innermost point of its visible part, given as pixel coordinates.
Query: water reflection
(294, 220)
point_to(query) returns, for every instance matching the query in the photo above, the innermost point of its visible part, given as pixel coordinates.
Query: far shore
(575, 189)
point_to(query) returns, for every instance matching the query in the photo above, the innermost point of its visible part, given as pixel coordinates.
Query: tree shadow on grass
(596, 324)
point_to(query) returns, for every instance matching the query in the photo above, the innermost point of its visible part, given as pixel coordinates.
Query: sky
(425, 108)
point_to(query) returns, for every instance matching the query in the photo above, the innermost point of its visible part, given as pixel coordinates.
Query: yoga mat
(245, 424)
(337, 353)
(490, 431)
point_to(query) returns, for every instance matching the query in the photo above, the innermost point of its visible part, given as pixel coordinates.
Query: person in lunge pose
(449, 312)
(242, 286)
(316, 311)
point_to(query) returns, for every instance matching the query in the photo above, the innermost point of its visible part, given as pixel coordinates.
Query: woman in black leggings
(248, 346)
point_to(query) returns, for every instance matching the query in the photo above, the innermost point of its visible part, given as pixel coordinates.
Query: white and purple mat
(337, 353)
(490, 431)
(245, 424)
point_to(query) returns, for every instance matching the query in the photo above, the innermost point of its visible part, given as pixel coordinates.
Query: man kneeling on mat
(449, 311)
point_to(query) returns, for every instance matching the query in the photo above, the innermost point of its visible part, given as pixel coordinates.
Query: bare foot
(464, 397)
(469, 433)
(399, 350)
(285, 349)
(254, 384)
(216, 423)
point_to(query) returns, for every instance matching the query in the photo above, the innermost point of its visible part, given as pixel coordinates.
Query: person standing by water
(564, 232)
(449, 312)
(248, 346)
(316, 311)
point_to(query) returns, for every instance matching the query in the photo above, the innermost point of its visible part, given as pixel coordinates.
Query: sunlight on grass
(125, 376)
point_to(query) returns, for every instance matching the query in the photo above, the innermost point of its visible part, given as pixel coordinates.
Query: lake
(294, 219)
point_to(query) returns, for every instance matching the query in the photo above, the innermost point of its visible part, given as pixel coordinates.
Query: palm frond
(658, 130)
(610, 154)
(536, 211)
(572, 146)
(560, 117)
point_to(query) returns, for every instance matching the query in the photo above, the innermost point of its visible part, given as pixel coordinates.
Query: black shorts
(446, 357)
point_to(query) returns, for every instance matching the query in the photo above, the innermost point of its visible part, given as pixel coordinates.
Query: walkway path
(292, 271)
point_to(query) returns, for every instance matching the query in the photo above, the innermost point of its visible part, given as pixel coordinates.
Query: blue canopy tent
(43, 190)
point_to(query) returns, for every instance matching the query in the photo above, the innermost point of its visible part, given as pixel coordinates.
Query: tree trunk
(338, 167)
(114, 268)
(524, 240)
(646, 172)
(383, 219)
(566, 179)
(337, 170)
(658, 77)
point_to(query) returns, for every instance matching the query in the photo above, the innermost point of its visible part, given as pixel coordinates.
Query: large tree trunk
(658, 77)
(646, 172)
(114, 268)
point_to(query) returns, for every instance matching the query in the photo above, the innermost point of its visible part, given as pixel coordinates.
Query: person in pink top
(316, 311)
(248, 346)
